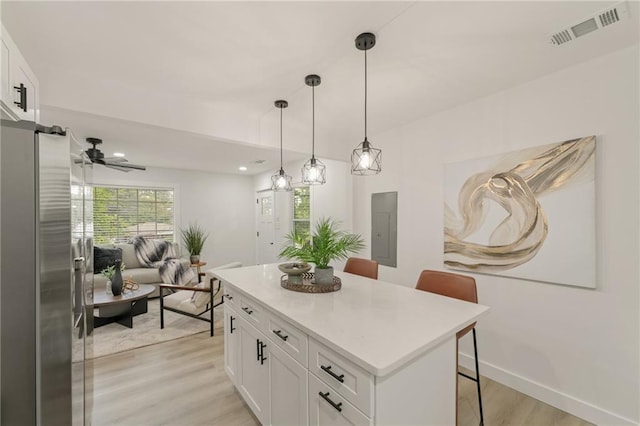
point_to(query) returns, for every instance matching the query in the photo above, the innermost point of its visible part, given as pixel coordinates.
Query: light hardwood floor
(182, 382)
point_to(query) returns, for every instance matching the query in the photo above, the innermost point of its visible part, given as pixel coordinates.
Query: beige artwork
(527, 214)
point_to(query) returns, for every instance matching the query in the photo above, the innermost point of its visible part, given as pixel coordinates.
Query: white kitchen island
(370, 353)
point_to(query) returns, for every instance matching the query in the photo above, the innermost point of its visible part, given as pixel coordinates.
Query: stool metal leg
(477, 377)
(475, 353)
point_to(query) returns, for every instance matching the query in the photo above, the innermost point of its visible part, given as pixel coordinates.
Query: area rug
(113, 338)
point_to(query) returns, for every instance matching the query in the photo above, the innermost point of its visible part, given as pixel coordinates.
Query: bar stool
(363, 267)
(459, 287)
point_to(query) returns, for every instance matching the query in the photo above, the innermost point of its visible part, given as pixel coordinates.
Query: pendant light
(281, 181)
(365, 159)
(313, 171)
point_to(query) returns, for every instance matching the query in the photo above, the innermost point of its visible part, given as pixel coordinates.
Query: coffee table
(121, 309)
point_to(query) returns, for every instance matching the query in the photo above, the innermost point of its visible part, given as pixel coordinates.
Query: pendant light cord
(313, 122)
(365, 95)
(281, 138)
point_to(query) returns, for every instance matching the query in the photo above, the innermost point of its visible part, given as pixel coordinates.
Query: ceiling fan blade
(125, 165)
(118, 168)
(116, 160)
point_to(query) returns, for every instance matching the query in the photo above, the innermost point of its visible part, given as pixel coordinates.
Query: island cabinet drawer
(231, 297)
(328, 408)
(346, 378)
(253, 312)
(289, 338)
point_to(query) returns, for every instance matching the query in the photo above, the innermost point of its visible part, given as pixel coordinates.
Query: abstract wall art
(527, 214)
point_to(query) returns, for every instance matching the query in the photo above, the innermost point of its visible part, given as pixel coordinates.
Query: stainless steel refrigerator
(46, 292)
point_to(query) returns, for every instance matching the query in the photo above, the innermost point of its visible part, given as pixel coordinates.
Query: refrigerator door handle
(78, 289)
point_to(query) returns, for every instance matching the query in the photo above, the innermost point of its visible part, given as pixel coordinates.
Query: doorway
(265, 214)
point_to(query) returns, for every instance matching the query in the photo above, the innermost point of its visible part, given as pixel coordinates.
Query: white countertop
(378, 325)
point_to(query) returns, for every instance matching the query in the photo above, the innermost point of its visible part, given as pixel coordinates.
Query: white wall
(222, 204)
(333, 199)
(575, 348)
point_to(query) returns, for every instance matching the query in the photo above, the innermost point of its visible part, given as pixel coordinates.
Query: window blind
(121, 213)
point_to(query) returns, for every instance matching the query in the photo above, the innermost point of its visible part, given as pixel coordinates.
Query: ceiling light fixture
(281, 181)
(118, 154)
(242, 168)
(365, 159)
(313, 171)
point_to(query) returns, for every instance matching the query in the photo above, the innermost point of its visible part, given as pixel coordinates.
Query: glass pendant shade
(281, 181)
(314, 172)
(365, 159)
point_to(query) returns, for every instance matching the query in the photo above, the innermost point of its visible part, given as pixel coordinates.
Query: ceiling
(143, 75)
(165, 147)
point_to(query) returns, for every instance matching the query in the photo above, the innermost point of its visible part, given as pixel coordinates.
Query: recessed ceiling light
(118, 154)
(242, 168)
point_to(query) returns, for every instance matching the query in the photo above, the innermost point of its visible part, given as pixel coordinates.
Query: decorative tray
(308, 286)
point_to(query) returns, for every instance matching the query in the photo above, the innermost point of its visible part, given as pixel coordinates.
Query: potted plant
(326, 243)
(109, 272)
(193, 237)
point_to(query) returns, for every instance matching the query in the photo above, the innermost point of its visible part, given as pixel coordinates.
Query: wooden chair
(459, 287)
(194, 301)
(364, 267)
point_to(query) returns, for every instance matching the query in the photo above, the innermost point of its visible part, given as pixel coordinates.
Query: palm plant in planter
(327, 243)
(193, 237)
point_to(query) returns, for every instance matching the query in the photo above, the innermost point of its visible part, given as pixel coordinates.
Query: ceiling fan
(117, 163)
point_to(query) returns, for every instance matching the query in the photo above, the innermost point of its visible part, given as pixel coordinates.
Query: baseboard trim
(553, 397)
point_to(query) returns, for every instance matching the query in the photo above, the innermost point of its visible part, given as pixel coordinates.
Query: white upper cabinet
(19, 97)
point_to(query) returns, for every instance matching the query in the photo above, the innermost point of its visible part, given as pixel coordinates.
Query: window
(121, 213)
(302, 210)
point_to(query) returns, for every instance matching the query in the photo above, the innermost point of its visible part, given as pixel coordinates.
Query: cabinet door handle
(23, 97)
(258, 349)
(231, 318)
(247, 310)
(262, 357)
(327, 370)
(279, 334)
(325, 396)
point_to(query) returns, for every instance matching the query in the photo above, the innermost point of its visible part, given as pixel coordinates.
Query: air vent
(609, 17)
(561, 37)
(598, 21)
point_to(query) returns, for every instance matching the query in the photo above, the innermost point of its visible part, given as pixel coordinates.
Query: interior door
(265, 214)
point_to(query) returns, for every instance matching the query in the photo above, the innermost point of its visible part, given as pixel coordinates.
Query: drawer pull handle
(258, 348)
(228, 296)
(247, 310)
(325, 396)
(279, 334)
(327, 370)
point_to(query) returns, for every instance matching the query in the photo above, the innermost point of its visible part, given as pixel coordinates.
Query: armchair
(194, 301)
